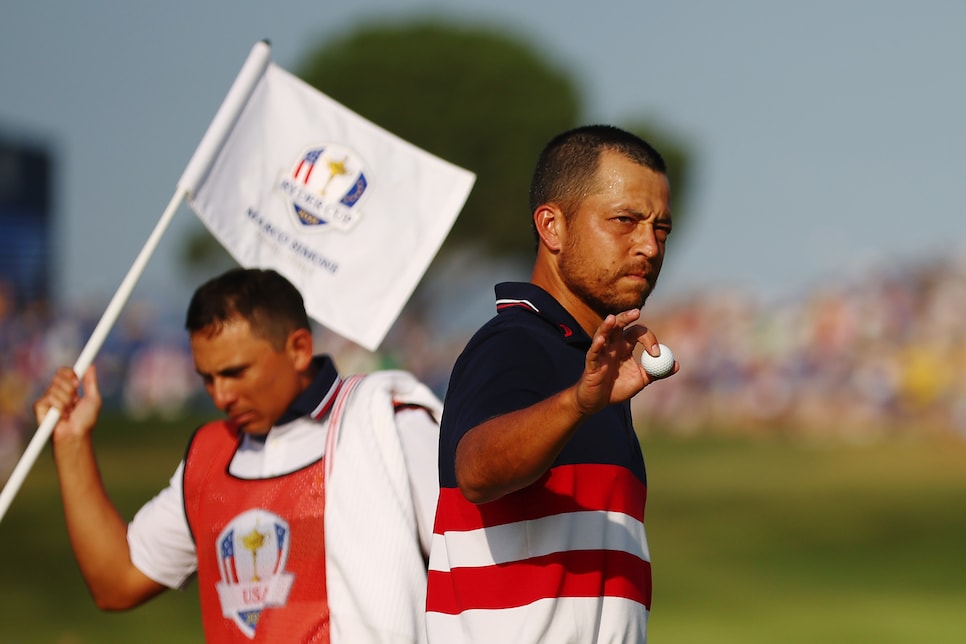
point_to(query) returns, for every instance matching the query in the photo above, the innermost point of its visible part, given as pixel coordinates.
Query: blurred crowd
(872, 356)
(144, 366)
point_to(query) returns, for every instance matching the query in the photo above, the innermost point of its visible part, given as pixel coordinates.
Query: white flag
(351, 214)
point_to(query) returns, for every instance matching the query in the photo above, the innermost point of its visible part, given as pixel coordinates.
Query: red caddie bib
(260, 546)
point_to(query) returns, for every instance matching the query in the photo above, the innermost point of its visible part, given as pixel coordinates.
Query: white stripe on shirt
(592, 530)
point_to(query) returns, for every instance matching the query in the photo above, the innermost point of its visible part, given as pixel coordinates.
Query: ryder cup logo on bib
(252, 551)
(324, 187)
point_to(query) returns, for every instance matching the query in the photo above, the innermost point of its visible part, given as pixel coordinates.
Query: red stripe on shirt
(566, 488)
(581, 573)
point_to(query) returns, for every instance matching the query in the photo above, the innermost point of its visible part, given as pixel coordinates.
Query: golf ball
(661, 366)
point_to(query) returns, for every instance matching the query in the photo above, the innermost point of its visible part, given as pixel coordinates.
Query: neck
(549, 280)
(307, 376)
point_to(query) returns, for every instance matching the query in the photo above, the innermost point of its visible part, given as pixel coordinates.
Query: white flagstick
(197, 167)
(87, 355)
(220, 127)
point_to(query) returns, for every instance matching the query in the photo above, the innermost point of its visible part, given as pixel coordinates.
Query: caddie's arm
(98, 534)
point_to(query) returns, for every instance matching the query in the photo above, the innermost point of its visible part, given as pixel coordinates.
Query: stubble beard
(599, 291)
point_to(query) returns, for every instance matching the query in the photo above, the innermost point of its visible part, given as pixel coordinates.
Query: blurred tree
(679, 165)
(475, 96)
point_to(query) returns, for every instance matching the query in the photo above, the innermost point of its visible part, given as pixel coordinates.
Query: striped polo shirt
(565, 559)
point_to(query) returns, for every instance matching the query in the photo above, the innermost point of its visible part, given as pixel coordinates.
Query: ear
(300, 348)
(551, 226)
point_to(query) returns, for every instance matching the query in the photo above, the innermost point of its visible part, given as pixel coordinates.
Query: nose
(222, 393)
(647, 243)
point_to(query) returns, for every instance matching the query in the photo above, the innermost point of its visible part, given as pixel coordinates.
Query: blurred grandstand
(875, 356)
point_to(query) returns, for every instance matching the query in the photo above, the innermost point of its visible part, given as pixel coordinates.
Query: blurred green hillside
(753, 541)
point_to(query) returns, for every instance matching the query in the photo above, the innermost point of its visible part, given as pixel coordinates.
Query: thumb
(90, 383)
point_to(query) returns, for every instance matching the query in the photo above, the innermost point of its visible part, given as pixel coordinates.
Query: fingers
(620, 323)
(621, 328)
(643, 336)
(90, 384)
(59, 396)
(63, 392)
(628, 317)
(640, 334)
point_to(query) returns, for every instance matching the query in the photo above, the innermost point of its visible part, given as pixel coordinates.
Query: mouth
(639, 276)
(241, 419)
(640, 270)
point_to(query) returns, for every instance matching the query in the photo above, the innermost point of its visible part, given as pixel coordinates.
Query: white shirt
(160, 540)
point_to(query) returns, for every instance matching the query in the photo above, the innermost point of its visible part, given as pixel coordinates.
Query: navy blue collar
(318, 396)
(530, 297)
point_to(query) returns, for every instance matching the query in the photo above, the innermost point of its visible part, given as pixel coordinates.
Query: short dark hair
(567, 166)
(266, 300)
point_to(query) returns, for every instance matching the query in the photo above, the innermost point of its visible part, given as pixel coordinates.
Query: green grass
(774, 541)
(43, 598)
(752, 542)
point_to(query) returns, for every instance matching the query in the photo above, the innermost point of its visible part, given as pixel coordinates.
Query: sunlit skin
(606, 257)
(246, 377)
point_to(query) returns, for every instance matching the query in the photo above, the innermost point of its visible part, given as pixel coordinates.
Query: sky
(827, 137)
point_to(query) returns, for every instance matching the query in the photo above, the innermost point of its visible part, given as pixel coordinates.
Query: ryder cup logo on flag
(324, 187)
(252, 551)
(350, 213)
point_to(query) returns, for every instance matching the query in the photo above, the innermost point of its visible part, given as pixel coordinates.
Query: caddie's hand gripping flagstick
(198, 166)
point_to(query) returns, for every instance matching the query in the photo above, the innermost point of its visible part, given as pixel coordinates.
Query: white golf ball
(661, 366)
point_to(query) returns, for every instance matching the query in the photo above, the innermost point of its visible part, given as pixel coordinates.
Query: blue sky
(827, 137)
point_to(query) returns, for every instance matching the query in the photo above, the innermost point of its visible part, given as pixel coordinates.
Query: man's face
(246, 377)
(614, 245)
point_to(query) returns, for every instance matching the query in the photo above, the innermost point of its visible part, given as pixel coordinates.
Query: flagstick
(90, 350)
(199, 164)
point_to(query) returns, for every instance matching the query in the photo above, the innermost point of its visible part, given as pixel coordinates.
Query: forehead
(621, 178)
(218, 346)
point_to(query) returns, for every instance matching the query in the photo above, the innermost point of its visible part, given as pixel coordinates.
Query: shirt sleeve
(419, 436)
(503, 373)
(159, 538)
